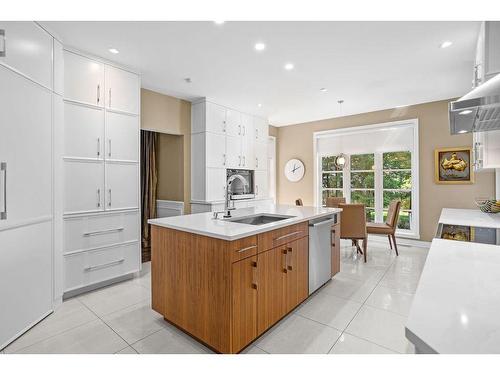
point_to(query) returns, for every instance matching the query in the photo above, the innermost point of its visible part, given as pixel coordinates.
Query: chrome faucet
(227, 201)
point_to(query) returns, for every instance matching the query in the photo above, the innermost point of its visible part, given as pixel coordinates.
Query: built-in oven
(468, 233)
(238, 189)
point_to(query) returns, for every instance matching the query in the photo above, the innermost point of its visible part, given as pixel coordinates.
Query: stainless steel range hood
(477, 111)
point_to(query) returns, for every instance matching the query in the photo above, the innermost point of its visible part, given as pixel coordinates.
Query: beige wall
(296, 141)
(172, 118)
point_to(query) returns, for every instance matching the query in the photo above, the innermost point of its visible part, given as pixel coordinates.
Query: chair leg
(390, 242)
(365, 245)
(395, 245)
(358, 249)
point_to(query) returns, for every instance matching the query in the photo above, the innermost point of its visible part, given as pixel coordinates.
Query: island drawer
(95, 231)
(90, 267)
(278, 237)
(243, 248)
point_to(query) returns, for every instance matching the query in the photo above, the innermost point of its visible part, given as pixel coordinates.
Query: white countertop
(474, 218)
(204, 223)
(456, 305)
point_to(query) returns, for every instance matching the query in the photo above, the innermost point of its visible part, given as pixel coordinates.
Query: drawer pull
(114, 263)
(99, 232)
(287, 235)
(247, 248)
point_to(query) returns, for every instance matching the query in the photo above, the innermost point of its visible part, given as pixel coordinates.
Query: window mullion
(379, 195)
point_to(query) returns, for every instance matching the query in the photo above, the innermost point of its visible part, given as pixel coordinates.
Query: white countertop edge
(469, 217)
(248, 229)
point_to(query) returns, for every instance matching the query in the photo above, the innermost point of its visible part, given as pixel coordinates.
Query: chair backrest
(393, 214)
(352, 220)
(298, 202)
(334, 201)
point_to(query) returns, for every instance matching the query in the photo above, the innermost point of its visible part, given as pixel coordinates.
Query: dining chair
(298, 202)
(389, 227)
(334, 201)
(354, 225)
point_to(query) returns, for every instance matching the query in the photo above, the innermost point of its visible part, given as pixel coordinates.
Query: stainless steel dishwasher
(320, 251)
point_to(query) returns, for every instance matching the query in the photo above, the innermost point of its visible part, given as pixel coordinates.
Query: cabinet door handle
(109, 202)
(287, 235)
(224, 126)
(284, 252)
(105, 231)
(98, 197)
(288, 251)
(256, 133)
(98, 93)
(3, 43)
(244, 130)
(109, 104)
(254, 276)
(3, 192)
(98, 146)
(224, 159)
(256, 189)
(114, 263)
(109, 147)
(247, 248)
(244, 161)
(239, 129)
(239, 163)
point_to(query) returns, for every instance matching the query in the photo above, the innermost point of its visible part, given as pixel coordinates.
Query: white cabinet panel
(83, 131)
(28, 49)
(83, 79)
(83, 186)
(261, 129)
(260, 156)
(233, 123)
(95, 266)
(261, 184)
(93, 231)
(122, 90)
(486, 150)
(121, 186)
(215, 150)
(233, 150)
(248, 143)
(26, 276)
(216, 184)
(122, 137)
(25, 149)
(58, 68)
(215, 118)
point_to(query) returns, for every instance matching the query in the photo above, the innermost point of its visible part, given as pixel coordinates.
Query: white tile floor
(362, 310)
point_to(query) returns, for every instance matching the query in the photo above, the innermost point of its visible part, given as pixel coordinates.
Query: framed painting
(453, 166)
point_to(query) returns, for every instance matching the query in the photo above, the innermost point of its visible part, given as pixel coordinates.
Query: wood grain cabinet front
(335, 236)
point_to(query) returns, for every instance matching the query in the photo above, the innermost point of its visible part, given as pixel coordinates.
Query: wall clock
(294, 170)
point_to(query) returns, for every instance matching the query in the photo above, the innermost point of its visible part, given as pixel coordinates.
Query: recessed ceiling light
(114, 50)
(323, 89)
(466, 112)
(188, 80)
(260, 46)
(289, 66)
(445, 44)
(219, 22)
(462, 131)
(259, 105)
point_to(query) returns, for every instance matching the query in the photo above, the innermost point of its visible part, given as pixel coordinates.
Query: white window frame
(414, 233)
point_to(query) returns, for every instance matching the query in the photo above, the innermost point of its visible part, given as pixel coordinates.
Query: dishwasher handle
(324, 222)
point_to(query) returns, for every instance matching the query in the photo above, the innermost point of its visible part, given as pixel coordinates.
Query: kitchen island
(226, 282)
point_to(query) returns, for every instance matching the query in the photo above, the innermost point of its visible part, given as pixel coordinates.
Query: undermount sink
(259, 219)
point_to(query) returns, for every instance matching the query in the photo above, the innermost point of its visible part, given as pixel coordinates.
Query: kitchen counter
(469, 217)
(457, 300)
(204, 223)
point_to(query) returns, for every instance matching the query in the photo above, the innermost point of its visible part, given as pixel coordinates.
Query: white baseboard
(169, 208)
(400, 241)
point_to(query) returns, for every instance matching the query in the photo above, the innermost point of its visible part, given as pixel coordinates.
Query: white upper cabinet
(261, 184)
(233, 150)
(487, 60)
(486, 150)
(248, 142)
(28, 50)
(215, 145)
(216, 184)
(261, 156)
(233, 123)
(83, 131)
(83, 186)
(83, 79)
(215, 118)
(122, 137)
(122, 90)
(261, 129)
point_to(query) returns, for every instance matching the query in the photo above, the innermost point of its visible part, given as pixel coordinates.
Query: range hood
(477, 111)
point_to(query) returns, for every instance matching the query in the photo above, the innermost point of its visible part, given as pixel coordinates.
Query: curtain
(149, 181)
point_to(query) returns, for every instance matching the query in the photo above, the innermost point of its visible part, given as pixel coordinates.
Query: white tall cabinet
(26, 177)
(101, 172)
(223, 138)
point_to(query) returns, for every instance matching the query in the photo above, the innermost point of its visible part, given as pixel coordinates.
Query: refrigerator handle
(3, 191)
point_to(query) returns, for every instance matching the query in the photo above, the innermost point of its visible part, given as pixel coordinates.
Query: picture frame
(453, 166)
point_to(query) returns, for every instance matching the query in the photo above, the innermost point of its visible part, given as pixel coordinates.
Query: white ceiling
(370, 65)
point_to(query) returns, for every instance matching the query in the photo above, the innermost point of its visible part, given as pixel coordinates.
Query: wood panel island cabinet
(226, 293)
